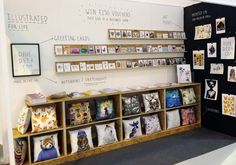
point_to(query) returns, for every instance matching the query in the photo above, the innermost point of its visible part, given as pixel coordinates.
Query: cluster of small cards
(145, 34)
(115, 64)
(116, 49)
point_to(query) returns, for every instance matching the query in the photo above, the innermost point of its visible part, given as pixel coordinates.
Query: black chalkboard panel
(200, 14)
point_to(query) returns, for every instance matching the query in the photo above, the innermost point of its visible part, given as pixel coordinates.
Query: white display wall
(50, 22)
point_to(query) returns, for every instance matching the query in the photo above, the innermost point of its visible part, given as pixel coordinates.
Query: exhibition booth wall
(79, 22)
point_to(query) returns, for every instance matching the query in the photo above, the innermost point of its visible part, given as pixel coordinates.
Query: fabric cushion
(46, 147)
(188, 96)
(187, 116)
(172, 98)
(105, 109)
(44, 118)
(79, 113)
(131, 105)
(151, 124)
(132, 128)
(173, 119)
(106, 133)
(24, 120)
(20, 150)
(81, 140)
(151, 102)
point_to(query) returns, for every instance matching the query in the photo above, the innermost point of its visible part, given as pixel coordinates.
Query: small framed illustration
(25, 59)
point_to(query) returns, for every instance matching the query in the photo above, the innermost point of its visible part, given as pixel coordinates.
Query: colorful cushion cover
(187, 116)
(46, 147)
(151, 102)
(81, 140)
(132, 128)
(131, 105)
(24, 120)
(79, 114)
(106, 133)
(44, 118)
(172, 98)
(151, 124)
(173, 119)
(188, 96)
(20, 150)
(105, 109)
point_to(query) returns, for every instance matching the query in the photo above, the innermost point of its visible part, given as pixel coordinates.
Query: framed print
(25, 59)
(211, 50)
(199, 59)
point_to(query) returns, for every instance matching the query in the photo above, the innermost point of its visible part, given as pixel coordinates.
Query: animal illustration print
(105, 109)
(44, 118)
(80, 113)
(109, 136)
(228, 105)
(48, 149)
(20, 149)
(82, 141)
(152, 124)
(188, 96)
(151, 102)
(134, 129)
(131, 105)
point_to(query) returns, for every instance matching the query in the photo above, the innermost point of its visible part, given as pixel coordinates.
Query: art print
(216, 68)
(111, 65)
(104, 49)
(105, 65)
(58, 50)
(98, 49)
(118, 34)
(227, 48)
(211, 50)
(211, 89)
(112, 34)
(199, 59)
(67, 67)
(129, 34)
(228, 105)
(98, 66)
(232, 73)
(83, 66)
(136, 34)
(60, 67)
(203, 32)
(124, 34)
(142, 34)
(184, 73)
(220, 25)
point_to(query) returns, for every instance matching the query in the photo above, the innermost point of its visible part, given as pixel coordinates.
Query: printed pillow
(105, 109)
(20, 150)
(187, 116)
(131, 105)
(81, 140)
(173, 119)
(151, 124)
(79, 113)
(106, 133)
(44, 118)
(24, 120)
(132, 128)
(46, 147)
(151, 102)
(188, 96)
(173, 98)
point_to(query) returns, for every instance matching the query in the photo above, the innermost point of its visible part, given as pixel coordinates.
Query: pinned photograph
(211, 89)
(211, 50)
(203, 32)
(199, 59)
(228, 105)
(232, 73)
(184, 73)
(227, 48)
(220, 25)
(216, 68)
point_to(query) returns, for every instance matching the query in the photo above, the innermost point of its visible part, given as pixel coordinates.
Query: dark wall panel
(207, 14)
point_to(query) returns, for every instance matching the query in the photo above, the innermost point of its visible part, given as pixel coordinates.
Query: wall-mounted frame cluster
(98, 65)
(117, 49)
(133, 34)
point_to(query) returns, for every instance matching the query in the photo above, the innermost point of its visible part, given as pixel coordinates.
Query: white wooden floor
(222, 156)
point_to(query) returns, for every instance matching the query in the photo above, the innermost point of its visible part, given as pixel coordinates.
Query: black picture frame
(25, 59)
